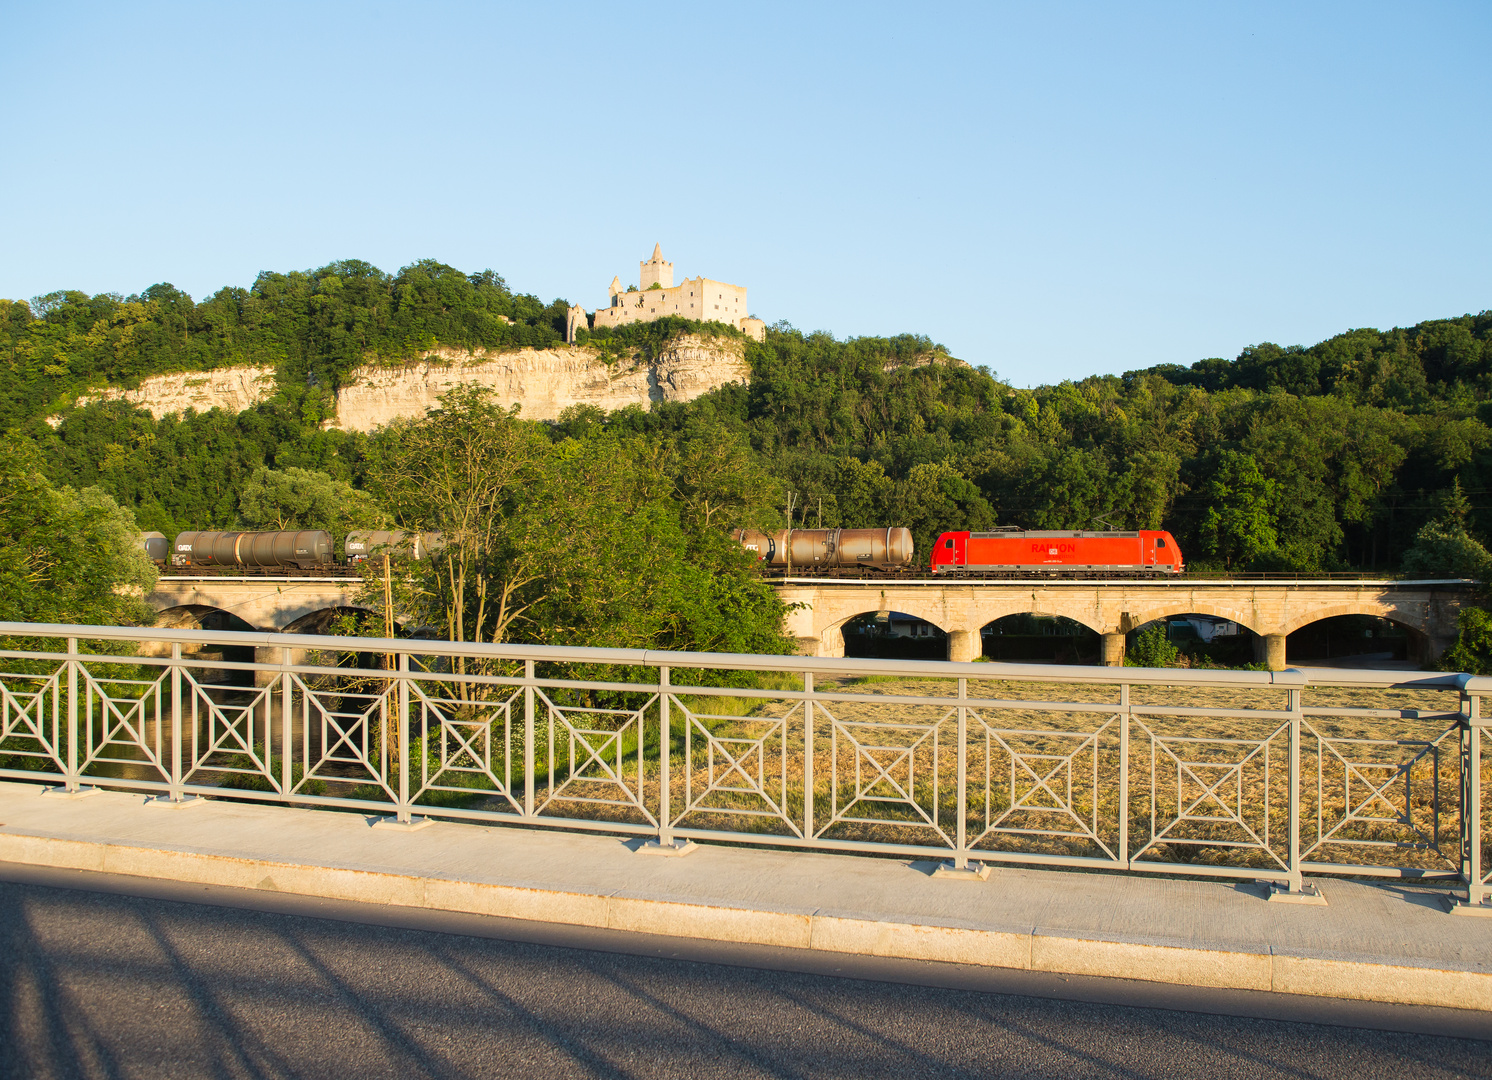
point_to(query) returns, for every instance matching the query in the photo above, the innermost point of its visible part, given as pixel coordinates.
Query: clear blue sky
(1053, 190)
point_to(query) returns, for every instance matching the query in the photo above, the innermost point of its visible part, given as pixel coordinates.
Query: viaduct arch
(1271, 609)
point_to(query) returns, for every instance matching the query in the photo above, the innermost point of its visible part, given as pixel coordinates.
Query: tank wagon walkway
(1382, 941)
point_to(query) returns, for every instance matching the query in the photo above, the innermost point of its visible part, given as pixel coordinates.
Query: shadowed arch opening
(206, 617)
(1031, 638)
(893, 635)
(1356, 641)
(1202, 640)
(342, 620)
(201, 617)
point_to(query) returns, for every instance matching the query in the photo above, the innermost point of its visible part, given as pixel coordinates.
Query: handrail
(983, 670)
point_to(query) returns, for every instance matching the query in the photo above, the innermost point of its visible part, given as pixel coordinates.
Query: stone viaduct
(1270, 609)
(263, 603)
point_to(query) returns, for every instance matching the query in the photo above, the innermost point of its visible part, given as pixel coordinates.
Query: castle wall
(700, 298)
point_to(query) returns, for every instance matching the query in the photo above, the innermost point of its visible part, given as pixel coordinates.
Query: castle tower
(655, 270)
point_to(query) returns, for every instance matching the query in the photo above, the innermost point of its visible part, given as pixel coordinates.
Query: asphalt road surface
(108, 977)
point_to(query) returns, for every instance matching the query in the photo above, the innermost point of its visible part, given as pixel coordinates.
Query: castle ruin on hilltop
(656, 297)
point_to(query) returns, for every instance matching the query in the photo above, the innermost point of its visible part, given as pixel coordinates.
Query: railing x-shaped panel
(1214, 792)
(737, 766)
(355, 743)
(28, 727)
(465, 742)
(124, 722)
(1367, 791)
(595, 756)
(887, 773)
(236, 730)
(1043, 782)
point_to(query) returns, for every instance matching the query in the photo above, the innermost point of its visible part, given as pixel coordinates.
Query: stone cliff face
(232, 389)
(544, 382)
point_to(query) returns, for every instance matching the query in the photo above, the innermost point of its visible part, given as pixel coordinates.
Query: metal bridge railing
(1262, 775)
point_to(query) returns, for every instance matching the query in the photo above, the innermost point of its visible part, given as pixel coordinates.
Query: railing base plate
(678, 847)
(411, 825)
(165, 802)
(974, 871)
(63, 793)
(1461, 907)
(1280, 893)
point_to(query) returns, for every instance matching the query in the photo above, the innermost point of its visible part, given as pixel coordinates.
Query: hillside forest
(1369, 451)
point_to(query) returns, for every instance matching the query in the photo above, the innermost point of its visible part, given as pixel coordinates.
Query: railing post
(961, 854)
(1124, 714)
(528, 738)
(666, 843)
(960, 866)
(807, 755)
(1294, 889)
(1297, 879)
(72, 784)
(176, 784)
(403, 688)
(665, 802)
(175, 797)
(287, 728)
(403, 819)
(1478, 893)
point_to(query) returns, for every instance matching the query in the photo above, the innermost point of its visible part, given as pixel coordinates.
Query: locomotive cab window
(947, 543)
(1160, 543)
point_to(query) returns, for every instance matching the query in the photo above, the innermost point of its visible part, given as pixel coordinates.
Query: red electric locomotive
(1056, 552)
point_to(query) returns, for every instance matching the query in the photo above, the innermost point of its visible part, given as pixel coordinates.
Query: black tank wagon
(307, 549)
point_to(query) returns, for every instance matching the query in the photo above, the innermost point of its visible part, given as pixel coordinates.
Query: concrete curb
(1050, 952)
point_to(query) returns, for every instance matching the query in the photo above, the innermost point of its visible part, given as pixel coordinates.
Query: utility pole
(792, 497)
(388, 606)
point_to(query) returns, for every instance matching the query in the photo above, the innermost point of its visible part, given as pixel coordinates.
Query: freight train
(1002, 553)
(785, 552)
(298, 549)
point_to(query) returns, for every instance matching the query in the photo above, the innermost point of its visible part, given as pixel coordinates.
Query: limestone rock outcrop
(544, 382)
(232, 389)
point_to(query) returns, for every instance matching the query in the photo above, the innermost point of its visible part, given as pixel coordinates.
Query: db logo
(1056, 549)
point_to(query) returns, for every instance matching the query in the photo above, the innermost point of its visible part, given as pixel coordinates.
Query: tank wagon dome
(156, 547)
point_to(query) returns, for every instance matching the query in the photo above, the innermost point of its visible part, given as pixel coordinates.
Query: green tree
(1472, 652)
(934, 498)
(469, 469)
(305, 499)
(581, 542)
(1152, 648)
(1444, 549)
(67, 556)
(1237, 527)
